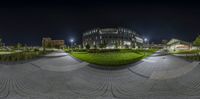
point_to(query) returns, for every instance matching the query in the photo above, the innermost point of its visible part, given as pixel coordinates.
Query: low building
(49, 43)
(156, 46)
(112, 38)
(178, 45)
(195, 47)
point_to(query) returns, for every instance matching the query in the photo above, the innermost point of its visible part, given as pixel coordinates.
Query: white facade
(178, 45)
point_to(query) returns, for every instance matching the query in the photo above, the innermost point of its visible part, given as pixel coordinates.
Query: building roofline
(177, 40)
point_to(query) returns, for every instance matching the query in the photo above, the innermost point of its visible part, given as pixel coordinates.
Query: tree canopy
(197, 41)
(87, 46)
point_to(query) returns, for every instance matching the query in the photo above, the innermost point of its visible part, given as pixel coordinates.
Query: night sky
(28, 22)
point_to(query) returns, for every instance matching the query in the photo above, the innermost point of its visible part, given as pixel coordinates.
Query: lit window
(127, 43)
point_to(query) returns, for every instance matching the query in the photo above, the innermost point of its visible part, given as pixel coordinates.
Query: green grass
(194, 57)
(191, 58)
(112, 58)
(186, 52)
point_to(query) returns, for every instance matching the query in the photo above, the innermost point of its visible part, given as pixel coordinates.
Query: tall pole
(71, 40)
(145, 41)
(71, 45)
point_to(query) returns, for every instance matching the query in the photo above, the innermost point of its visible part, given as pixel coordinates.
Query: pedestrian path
(59, 76)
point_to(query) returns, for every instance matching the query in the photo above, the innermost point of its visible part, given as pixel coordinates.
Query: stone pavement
(59, 76)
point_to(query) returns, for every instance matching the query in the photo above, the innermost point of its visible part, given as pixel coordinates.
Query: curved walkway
(59, 76)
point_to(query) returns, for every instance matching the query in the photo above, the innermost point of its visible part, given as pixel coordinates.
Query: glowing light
(145, 39)
(71, 40)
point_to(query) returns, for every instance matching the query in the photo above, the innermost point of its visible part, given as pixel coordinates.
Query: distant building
(177, 45)
(49, 43)
(112, 38)
(156, 46)
(164, 43)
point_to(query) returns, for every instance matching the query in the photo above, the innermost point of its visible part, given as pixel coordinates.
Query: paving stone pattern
(59, 76)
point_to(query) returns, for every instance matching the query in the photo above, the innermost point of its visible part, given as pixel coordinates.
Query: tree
(116, 45)
(26, 47)
(95, 46)
(18, 46)
(164, 42)
(103, 45)
(126, 46)
(133, 45)
(44, 45)
(87, 46)
(197, 43)
(1, 42)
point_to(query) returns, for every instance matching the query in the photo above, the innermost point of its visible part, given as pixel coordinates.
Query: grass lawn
(112, 58)
(191, 58)
(186, 52)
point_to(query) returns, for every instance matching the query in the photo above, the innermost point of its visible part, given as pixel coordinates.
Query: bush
(79, 50)
(87, 46)
(67, 50)
(36, 50)
(21, 56)
(103, 50)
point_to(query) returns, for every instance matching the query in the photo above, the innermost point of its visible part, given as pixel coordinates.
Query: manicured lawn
(112, 58)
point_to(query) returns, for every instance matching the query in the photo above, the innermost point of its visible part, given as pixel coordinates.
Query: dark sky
(28, 22)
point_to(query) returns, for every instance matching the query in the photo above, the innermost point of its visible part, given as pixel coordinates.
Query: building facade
(49, 43)
(112, 38)
(156, 46)
(178, 45)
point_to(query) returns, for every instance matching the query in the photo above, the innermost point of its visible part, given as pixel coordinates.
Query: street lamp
(145, 41)
(71, 41)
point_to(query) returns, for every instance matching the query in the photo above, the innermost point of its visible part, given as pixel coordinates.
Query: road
(59, 76)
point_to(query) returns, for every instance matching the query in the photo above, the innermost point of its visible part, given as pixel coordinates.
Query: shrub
(36, 50)
(79, 50)
(21, 56)
(102, 50)
(87, 46)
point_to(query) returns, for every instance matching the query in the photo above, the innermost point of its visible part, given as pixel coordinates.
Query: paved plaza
(59, 76)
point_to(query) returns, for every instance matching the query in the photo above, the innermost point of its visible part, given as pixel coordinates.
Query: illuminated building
(112, 38)
(177, 45)
(49, 43)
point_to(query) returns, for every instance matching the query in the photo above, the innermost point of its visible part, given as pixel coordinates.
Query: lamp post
(71, 41)
(145, 41)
